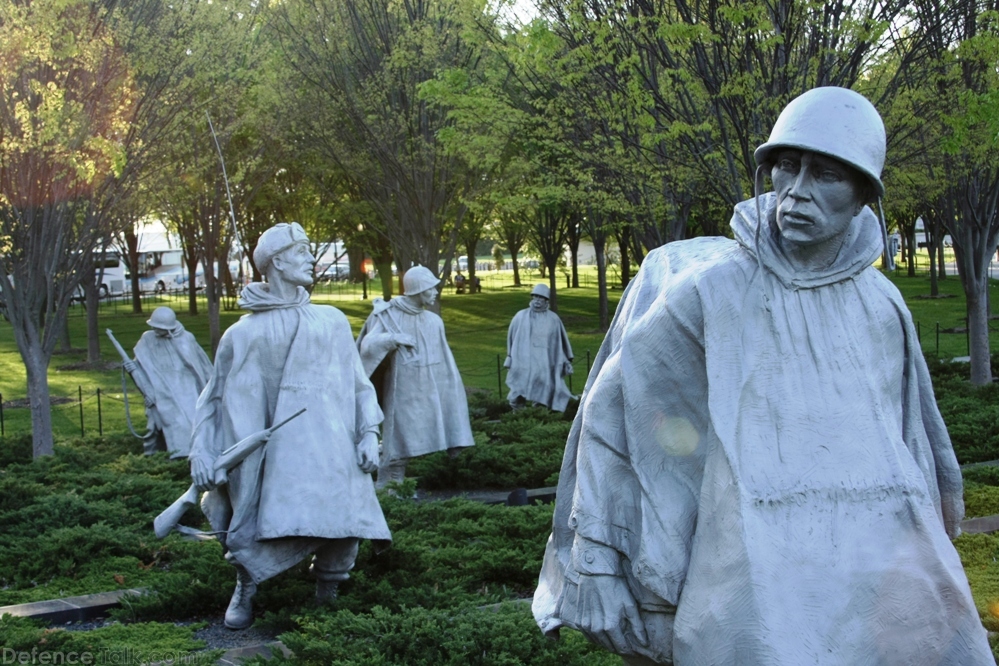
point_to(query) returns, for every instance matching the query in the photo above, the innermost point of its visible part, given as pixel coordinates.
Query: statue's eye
(788, 165)
(830, 176)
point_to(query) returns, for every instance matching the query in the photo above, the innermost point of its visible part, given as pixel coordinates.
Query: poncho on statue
(176, 369)
(539, 356)
(760, 456)
(304, 485)
(422, 394)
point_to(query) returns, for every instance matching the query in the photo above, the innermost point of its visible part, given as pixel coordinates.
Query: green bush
(970, 412)
(514, 449)
(444, 637)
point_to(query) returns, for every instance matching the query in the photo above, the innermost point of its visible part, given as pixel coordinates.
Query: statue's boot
(331, 565)
(239, 615)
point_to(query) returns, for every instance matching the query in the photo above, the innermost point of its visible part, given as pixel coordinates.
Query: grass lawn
(476, 326)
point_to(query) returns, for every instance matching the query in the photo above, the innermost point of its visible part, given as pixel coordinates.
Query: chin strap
(889, 256)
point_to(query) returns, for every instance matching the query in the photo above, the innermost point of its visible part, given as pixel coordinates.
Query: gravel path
(215, 635)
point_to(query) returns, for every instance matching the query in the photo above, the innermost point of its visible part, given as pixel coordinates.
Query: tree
(356, 68)
(67, 100)
(964, 37)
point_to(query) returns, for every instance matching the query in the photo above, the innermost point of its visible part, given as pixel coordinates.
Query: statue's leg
(391, 472)
(155, 441)
(239, 615)
(332, 564)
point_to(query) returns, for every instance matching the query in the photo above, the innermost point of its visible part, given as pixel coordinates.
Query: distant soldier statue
(315, 494)
(421, 392)
(170, 369)
(538, 355)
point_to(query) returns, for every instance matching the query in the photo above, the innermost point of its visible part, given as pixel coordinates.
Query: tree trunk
(552, 279)
(37, 366)
(132, 248)
(934, 284)
(384, 268)
(516, 267)
(64, 342)
(978, 334)
(625, 265)
(192, 293)
(910, 249)
(92, 300)
(942, 270)
(603, 306)
(470, 253)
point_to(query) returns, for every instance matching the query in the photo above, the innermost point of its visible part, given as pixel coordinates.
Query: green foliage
(446, 637)
(970, 412)
(519, 449)
(128, 645)
(980, 499)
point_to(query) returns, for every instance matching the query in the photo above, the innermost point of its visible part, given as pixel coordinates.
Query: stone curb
(983, 525)
(236, 656)
(70, 609)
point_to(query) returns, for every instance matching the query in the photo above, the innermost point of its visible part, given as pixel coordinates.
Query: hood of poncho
(861, 248)
(257, 297)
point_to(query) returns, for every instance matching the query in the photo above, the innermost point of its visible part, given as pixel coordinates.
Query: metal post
(570, 383)
(80, 398)
(587, 362)
(499, 375)
(2, 434)
(938, 339)
(100, 419)
(919, 332)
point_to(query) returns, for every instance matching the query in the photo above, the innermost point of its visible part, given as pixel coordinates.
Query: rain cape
(422, 394)
(761, 457)
(177, 368)
(538, 353)
(304, 485)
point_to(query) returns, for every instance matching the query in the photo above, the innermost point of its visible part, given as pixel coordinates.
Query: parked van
(110, 270)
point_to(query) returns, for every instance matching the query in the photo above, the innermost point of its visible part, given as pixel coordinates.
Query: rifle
(164, 523)
(140, 383)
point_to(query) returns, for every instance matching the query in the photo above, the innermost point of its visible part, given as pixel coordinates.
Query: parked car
(332, 272)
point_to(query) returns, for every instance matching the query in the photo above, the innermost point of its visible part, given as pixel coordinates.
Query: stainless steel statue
(758, 473)
(421, 392)
(315, 494)
(170, 369)
(538, 355)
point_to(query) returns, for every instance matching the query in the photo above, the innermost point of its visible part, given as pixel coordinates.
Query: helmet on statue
(836, 122)
(417, 280)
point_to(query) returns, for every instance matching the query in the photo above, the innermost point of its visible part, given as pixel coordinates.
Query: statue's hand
(605, 607)
(202, 473)
(148, 401)
(567, 368)
(130, 366)
(508, 362)
(404, 340)
(367, 453)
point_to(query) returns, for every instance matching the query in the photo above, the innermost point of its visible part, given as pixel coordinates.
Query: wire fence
(96, 410)
(91, 410)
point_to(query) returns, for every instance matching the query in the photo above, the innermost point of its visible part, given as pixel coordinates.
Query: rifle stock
(164, 523)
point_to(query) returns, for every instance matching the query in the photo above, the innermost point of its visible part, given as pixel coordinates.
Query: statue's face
(428, 297)
(539, 302)
(817, 196)
(295, 264)
(162, 332)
